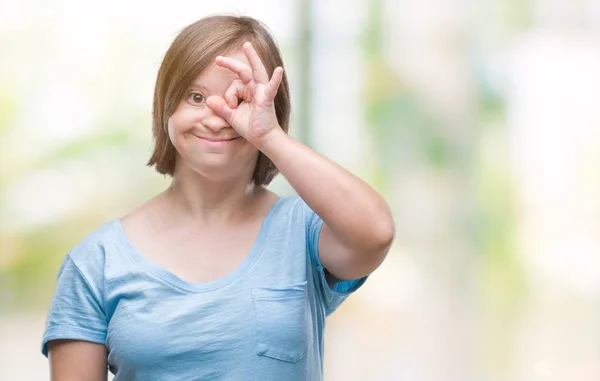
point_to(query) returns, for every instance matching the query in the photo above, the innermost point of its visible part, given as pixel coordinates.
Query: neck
(192, 197)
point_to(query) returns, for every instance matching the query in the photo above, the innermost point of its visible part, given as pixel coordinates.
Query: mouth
(217, 142)
(222, 140)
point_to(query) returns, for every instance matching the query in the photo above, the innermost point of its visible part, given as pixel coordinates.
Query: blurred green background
(478, 121)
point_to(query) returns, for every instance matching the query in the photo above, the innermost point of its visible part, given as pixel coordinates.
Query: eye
(196, 98)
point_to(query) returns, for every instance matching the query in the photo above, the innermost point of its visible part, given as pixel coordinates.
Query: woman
(217, 277)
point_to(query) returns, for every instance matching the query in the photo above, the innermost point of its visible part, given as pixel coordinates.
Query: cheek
(183, 119)
(171, 130)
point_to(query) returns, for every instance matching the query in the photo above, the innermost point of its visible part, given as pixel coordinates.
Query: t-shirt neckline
(172, 279)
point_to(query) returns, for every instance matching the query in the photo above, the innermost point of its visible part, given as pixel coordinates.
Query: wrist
(272, 140)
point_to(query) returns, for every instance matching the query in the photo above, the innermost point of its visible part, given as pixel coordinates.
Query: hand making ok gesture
(248, 103)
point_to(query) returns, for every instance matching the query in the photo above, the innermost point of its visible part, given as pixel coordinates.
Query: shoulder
(292, 204)
(292, 207)
(110, 236)
(90, 252)
(294, 213)
(297, 207)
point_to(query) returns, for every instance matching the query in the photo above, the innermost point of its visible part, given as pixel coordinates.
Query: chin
(215, 169)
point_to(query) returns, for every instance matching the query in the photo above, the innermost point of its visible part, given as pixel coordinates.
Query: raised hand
(247, 104)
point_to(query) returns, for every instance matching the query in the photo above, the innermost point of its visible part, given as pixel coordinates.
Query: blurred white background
(478, 121)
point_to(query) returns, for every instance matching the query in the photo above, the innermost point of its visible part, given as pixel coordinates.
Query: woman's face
(205, 142)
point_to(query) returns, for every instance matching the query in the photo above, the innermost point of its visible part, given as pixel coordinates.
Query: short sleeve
(76, 311)
(331, 296)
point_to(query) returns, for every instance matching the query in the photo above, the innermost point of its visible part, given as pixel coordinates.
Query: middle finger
(258, 69)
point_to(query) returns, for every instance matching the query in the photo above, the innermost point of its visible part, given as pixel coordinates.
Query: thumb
(220, 107)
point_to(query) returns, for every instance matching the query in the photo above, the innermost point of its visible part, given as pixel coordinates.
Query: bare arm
(358, 229)
(358, 226)
(74, 360)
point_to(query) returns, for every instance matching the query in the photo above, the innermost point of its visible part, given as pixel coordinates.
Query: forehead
(214, 76)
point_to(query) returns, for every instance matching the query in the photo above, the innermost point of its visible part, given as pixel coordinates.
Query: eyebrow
(198, 86)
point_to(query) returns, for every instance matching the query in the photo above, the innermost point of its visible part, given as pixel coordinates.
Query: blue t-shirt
(263, 321)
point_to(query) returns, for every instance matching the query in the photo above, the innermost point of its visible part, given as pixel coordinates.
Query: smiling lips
(217, 142)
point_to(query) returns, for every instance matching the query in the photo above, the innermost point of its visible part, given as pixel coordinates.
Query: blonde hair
(194, 49)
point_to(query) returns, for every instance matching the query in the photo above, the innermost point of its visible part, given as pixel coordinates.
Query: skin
(211, 197)
(359, 228)
(73, 360)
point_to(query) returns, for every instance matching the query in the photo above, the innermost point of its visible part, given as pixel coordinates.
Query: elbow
(369, 259)
(375, 241)
(382, 229)
(384, 236)
(380, 244)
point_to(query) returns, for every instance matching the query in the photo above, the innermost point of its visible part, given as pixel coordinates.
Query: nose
(214, 122)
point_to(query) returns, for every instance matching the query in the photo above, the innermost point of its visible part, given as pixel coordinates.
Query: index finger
(258, 69)
(238, 67)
